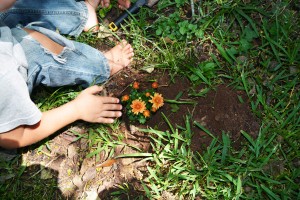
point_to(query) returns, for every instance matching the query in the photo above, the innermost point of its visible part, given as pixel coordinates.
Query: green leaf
(182, 30)
(244, 45)
(199, 33)
(142, 120)
(239, 186)
(250, 34)
(192, 27)
(226, 145)
(270, 193)
(221, 50)
(194, 78)
(174, 107)
(158, 31)
(103, 11)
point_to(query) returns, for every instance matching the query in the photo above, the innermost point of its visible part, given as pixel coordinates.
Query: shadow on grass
(19, 181)
(129, 190)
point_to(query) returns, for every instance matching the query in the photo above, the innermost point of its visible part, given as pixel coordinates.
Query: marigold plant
(141, 105)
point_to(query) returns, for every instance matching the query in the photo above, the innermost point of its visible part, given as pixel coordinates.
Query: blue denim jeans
(77, 64)
(67, 16)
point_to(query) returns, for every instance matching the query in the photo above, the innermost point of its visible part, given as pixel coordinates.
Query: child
(33, 54)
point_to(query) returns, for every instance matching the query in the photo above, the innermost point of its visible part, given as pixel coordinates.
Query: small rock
(218, 117)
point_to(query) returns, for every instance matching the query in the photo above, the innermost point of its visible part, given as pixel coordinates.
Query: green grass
(253, 46)
(258, 52)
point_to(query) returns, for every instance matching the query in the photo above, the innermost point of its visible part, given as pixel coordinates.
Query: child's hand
(93, 108)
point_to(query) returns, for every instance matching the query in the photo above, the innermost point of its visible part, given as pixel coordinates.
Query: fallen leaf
(168, 40)
(71, 151)
(91, 195)
(104, 32)
(148, 69)
(107, 163)
(78, 181)
(69, 171)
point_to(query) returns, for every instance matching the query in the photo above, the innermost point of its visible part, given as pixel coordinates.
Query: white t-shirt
(16, 107)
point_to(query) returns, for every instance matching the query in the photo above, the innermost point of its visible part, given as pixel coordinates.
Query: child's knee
(45, 41)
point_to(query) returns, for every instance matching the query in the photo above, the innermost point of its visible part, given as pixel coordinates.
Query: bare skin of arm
(87, 106)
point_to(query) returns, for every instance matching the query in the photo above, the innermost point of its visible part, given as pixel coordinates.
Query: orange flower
(125, 97)
(153, 109)
(146, 113)
(154, 85)
(136, 85)
(148, 94)
(157, 100)
(138, 106)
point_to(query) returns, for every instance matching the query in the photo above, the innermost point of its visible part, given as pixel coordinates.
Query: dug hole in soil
(79, 177)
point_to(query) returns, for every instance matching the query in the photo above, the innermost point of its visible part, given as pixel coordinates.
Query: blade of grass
(221, 50)
(204, 129)
(226, 145)
(243, 14)
(269, 192)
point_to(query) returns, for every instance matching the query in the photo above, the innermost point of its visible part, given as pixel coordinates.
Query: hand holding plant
(140, 105)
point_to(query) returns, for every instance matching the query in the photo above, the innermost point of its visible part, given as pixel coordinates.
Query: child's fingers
(95, 89)
(104, 120)
(104, 3)
(111, 114)
(111, 107)
(110, 100)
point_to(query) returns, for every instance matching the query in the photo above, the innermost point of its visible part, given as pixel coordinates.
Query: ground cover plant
(229, 127)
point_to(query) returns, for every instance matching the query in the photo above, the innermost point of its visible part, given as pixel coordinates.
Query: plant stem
(179, 102)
